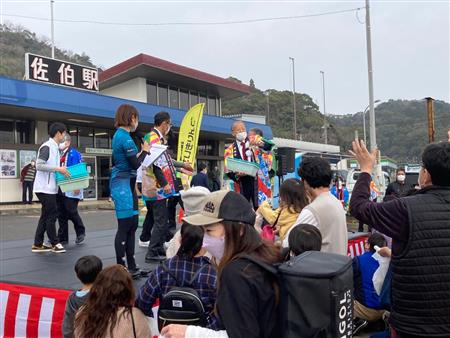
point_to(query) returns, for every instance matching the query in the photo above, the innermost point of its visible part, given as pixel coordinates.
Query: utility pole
(293, 97)
(52, 28)
(373, 137)
(268, 107)
(379, 179)
(430, 111)
(325, 125)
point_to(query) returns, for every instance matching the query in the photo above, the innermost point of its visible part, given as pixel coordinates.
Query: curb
(37, 210)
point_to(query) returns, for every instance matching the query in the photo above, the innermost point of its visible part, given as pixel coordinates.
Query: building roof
(22, 99)
(163, 71)
(303, 146)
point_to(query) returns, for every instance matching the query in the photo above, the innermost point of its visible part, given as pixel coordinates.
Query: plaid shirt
(160, 282)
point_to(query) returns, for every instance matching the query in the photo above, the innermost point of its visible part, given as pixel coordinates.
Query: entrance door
(104, 173)
(91, 191)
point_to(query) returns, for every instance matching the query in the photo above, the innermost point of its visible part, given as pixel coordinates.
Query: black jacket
(200, 180)
(246, 301)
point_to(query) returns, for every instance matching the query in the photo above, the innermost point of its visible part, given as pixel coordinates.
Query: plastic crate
(240, 166)
(77, 171)
(71, 185)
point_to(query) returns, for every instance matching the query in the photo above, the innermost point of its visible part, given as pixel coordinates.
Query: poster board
(25, 157)
(8, 163)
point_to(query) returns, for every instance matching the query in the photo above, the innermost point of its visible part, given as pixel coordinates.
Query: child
(304, 237)
(87, 268)
(367, 306)
(292, 201)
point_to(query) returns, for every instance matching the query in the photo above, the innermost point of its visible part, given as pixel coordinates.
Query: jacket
(285, 221)
(364, 267)
(73, 157)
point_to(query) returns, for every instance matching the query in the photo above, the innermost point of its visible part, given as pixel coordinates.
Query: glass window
(212, 106)
(208, 148)
(194, 98)
(218, 107)
(173, 97)
(6, 132)
(86, 137)
(202, 99)
(101, 138)
(25, 132)
(151, 93)
(184, 100)
(163, 97)
(73, 132)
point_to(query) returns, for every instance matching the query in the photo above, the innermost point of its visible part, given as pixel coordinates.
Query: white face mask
(401, 178)
(133, 128)
(241, 136)
(62, 146)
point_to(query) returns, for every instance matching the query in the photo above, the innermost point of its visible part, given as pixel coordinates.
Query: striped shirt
(160, 282)
(31, 173)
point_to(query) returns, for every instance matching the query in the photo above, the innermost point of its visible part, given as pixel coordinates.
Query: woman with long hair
(126, 160)
(109, 311)
(247, 292)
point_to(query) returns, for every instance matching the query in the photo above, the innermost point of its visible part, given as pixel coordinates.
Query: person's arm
(69, 317)
(268, 213)
(390, 218)
(41, 163)
(159, 175)
(148, 293)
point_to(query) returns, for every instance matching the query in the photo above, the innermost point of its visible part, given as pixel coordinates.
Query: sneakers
(358, 325)
(58, 248)
(41, 248)
(144, 244)
(80, 239)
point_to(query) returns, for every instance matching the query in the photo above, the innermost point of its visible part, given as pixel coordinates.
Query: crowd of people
(219, 262)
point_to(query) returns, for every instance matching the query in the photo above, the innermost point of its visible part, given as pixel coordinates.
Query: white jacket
(45, 181)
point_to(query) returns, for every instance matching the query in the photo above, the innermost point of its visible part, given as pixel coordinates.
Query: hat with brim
(223, 206)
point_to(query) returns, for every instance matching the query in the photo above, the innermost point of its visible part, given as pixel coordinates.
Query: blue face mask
(214, 245)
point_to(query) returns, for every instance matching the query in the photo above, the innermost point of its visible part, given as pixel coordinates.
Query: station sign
(43, 69)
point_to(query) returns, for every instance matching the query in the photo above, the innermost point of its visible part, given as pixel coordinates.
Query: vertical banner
(188, 138)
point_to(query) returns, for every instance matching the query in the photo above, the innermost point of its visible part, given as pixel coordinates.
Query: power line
(233, 22)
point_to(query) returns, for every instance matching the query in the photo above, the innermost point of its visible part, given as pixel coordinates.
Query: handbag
(267, 232)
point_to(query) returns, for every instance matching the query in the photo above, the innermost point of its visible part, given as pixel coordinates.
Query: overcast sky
(410, 41)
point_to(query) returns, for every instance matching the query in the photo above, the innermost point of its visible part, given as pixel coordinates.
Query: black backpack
(316, 295)
(182, 304)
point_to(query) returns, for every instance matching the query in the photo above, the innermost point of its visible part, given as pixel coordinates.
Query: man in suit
(240, 149)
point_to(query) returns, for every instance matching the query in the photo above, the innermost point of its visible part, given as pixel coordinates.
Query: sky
(410, 42)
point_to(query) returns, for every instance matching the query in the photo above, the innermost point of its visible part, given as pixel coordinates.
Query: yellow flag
(189, 133)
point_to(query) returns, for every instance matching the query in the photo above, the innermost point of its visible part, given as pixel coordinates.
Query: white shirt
(305, 217)
(241, 151)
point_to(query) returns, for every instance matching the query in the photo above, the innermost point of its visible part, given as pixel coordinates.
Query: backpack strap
(166, 269)
(196, 274)
(276, 221)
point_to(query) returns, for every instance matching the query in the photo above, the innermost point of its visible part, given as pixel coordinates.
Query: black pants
(147, 227)
(125, 241)
(27, 185)
(249, 190)
(172, 203)
(49, 212)
(160, 227)
(68, 210)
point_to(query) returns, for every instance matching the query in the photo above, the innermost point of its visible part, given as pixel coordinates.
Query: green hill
(15, 41)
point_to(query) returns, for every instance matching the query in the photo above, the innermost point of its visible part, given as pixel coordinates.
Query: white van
(353, 175)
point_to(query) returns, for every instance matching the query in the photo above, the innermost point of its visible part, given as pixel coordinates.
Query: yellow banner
(189, 133)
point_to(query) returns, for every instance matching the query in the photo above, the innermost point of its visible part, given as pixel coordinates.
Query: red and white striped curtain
(27, 311)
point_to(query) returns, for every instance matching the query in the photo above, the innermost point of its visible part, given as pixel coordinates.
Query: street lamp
(364, 120)
(325, 126)
(293, 96)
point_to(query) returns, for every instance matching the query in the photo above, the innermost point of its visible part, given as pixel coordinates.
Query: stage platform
(19, 265)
